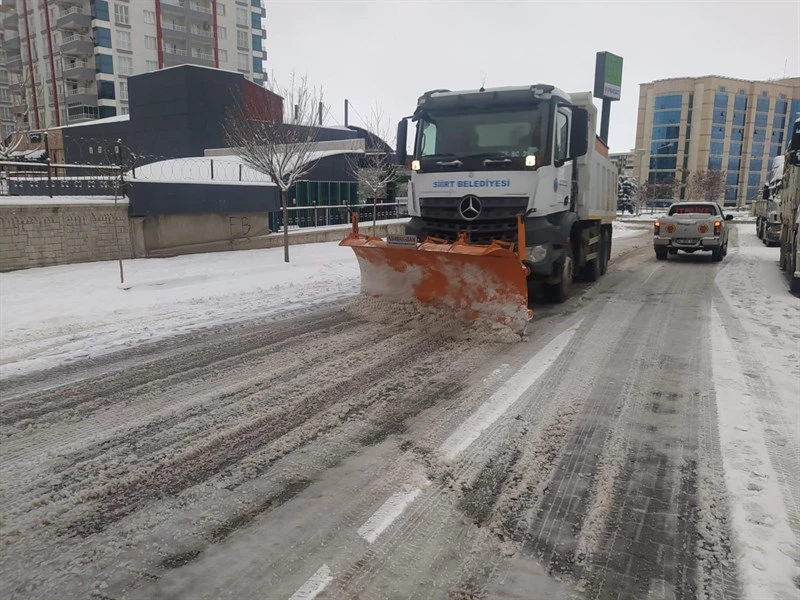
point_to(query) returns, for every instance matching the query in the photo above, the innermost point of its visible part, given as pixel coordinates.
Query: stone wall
(38, 235)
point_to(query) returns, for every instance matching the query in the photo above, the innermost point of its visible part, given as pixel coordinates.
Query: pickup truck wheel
(716, 254)
(557, 293)
(661, 253)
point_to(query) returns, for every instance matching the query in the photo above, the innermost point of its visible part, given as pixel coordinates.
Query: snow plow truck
(510, 189)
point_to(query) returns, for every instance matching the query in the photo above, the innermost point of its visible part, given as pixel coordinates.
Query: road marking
(508, 394)
(314, 585)
(653, 272)
(386, 514)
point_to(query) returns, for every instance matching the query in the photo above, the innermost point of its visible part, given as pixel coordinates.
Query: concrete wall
(49, 234)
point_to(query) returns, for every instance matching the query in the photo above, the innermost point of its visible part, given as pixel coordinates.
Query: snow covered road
(333, 452)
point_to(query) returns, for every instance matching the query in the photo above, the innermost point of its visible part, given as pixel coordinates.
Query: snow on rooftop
(117, 119)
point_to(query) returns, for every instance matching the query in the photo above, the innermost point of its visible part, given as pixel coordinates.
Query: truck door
(562, 184)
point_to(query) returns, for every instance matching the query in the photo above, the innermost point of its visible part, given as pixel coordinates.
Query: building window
(102, 37)
(258, 66)
(151, 65)
(757, 150)
(241, 16)
(124, 40)
(125, 65)
(716, 147)
(735, 149)
(740, 103)
(123, 90)
(4, 94)
(104, 63)
(667, 117)
(780, 107)
(104, 112)
(222, 33)
(150, 42)
(257, 43)
(243, 62)
(664, 102)
(762, 105)
(666, 133)
(99, 9)
(255, 3)
(122, 14)
(718, 132)
(734, 162)
(255, 20)
(756, 164)
(105, 90)
(241, 40)
(5, 113)
(223, 56)
(738, 119)
(220, 9)
(149, 17)
(715, 163)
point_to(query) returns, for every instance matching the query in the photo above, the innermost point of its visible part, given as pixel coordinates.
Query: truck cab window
(427, 140)
(562, 137)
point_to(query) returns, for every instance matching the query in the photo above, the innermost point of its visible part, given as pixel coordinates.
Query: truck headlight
(415, 165)
(537, 253)
(530, 160)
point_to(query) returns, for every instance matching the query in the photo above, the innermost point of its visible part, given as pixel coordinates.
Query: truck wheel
(661, 253)
(557, 293)
(716, 254)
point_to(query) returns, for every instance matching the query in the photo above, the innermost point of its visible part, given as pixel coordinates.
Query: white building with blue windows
(712, 123)
(68, 61)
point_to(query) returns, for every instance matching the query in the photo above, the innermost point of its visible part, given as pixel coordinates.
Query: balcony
(81, 70)
(11, 21)
(173, 29)
(78, 113)
(74, 19)
(14, 63)
(173, 6)
(77, 45)
(205, 54)
(12, 44)
(172, 51)
(201, 8)
(82, 96)
(201, 31)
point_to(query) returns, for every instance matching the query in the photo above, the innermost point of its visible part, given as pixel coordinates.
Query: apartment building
(69, 60)
(692, 124)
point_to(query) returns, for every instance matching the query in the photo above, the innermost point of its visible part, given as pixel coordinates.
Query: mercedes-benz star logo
(470, 208)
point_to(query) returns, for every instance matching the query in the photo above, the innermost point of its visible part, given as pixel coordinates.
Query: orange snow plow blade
(471, 282)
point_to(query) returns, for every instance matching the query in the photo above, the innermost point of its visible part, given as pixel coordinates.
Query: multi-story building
(6, 114)
(624, 162)
(69, 60)
(712, 123)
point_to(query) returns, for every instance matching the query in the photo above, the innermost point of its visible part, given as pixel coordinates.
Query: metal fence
(321, 216)
(53, 179)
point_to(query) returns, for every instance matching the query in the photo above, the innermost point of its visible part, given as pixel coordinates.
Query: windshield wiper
(445, 163)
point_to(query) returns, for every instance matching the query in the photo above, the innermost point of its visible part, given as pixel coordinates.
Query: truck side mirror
(765, 193)
(579, 135)
(729, 217)
(401, 156)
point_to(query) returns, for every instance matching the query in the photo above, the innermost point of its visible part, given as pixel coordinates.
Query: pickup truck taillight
(717, 227)
(657, 228)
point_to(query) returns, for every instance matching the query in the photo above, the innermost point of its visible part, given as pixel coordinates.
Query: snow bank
(56, 314)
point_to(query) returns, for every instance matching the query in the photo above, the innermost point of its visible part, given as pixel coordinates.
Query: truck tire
(557, 293)
(716, 254)
(661, 253)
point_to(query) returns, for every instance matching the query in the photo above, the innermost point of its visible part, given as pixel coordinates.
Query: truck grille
(497, 219)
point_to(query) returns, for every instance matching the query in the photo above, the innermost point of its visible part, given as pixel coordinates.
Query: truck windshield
(511, 133)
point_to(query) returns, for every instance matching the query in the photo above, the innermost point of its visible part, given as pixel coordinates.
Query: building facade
(694, 124)
(624, 162)
(69, 60)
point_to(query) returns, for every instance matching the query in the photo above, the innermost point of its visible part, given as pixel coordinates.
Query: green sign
(608, 76)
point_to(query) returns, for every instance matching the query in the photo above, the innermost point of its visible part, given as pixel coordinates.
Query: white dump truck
(509, 187)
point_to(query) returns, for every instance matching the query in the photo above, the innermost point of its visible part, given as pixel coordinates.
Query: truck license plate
(687, 241)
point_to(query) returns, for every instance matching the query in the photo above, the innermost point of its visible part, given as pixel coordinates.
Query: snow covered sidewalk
(56, 314)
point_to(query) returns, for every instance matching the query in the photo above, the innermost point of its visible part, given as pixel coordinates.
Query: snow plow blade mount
(471, 282)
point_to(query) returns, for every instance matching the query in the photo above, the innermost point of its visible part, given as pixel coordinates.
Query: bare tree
(282, 146)
(706, 185)
(375, 170)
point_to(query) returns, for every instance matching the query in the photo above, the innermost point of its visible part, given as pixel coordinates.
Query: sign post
(607, 86)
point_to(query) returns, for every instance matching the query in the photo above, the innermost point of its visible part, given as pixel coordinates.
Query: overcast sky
(389, 52)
